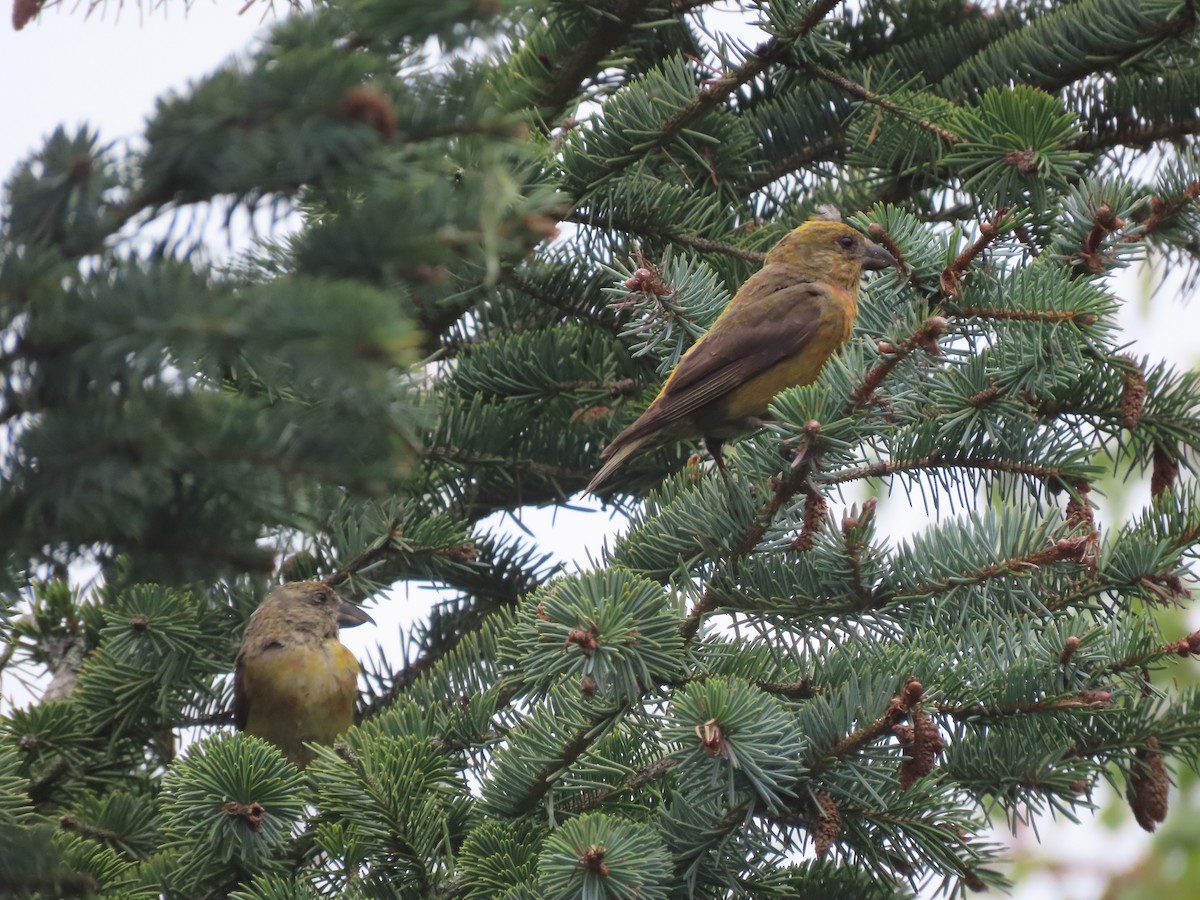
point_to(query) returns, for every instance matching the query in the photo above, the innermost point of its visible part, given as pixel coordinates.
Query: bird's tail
(618, 456)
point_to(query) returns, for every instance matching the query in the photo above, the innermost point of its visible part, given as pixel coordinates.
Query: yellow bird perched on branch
(776, 333)
(294, 681)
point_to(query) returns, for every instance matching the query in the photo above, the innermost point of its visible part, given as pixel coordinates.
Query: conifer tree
(515, 218)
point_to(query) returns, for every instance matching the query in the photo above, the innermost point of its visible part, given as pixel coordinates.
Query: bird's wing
(241, 700)
(241, 696)
(749, 339)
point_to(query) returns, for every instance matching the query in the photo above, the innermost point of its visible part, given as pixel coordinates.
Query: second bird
(776, 333)
(295, 683)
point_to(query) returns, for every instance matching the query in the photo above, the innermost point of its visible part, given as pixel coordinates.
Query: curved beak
(350, 615)
(876, 257)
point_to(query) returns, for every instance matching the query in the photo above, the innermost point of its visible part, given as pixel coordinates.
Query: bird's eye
(846, 241)
(320, 597)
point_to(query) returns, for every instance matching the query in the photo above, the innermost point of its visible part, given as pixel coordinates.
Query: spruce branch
(975, 712)
(1079, 317)
(470, 459)
(854, 524)
(938, 460)
(880, 235)
(1140, 134)
(717, 90)
(40, 786)
(571, 308)
(897, 711)
(802, 157)
(546, 777)
(1023, 235)
(377, 551)
(1078, 593)
(459, 744)
(793, 690)
(866, 95)
(925, 337)
(613, 27)
(1161, 209)
(716, 832)
(696, 242)
(1064, 549)
(1180, 542)
(1106, 50)
(1104, 223)
(951, 279)
(824, 817)
(763, 57)
(785, 489)
(630, 783)
(1188, 645)
(1168, 587)
(396, 838)
(441, 227)
(438, 651)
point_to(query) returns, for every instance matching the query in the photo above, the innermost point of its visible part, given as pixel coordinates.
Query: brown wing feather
(241, 702)
(745, 341)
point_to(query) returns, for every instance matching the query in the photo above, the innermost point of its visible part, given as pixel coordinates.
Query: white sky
(108, 69)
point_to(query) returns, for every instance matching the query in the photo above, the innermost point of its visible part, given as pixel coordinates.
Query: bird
(294, 681)
(777, 332)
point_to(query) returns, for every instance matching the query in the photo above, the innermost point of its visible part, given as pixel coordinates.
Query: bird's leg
(713, 446)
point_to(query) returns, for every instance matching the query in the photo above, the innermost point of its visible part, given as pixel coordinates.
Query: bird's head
(830, 251)
(310, 607)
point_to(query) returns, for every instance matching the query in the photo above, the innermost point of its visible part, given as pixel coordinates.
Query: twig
(952, 276)
(925, 336)
(865, 94)
(703, 244)
(631, 782)
(1065, 549)
(785, 489)
(940, 461)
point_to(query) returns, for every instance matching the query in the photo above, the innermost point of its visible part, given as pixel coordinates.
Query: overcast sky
(68, 68)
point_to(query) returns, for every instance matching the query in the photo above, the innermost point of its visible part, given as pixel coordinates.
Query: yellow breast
(300, 694)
